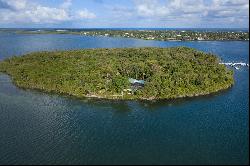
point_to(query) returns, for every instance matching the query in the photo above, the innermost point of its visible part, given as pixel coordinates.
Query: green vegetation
(168, 72)
(163, 35)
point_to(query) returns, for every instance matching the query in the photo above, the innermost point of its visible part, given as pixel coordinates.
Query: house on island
(135, 85)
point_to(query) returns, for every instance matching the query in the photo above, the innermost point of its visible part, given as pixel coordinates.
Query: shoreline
(23, 33)
(39, 71)
(96, 97)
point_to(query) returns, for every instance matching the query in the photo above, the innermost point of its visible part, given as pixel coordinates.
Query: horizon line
(121, 28)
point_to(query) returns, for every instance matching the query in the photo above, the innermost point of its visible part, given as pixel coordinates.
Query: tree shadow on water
(157, 104)
(126, 106)
(120, 106)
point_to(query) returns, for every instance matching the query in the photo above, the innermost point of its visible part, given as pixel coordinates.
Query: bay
(41, 128)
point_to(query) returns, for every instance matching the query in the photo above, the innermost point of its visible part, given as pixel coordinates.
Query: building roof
(133, 81)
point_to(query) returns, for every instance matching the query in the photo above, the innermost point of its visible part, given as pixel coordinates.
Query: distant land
(121, 73)
(150, 34)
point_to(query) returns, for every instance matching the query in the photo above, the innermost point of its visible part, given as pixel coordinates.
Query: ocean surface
(41, 128)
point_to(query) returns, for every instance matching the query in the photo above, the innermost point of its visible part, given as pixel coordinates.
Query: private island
(121, 73)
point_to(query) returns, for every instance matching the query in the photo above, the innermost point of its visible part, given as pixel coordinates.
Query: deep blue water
(40, 128)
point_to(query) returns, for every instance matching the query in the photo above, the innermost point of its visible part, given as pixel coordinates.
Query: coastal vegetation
(105, 73)
(162, 35)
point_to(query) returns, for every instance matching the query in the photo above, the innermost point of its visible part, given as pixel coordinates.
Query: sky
(124, 14)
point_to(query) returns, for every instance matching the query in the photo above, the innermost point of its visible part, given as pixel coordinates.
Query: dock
(236, 65)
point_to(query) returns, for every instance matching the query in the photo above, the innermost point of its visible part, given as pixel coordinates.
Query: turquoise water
(40, 128)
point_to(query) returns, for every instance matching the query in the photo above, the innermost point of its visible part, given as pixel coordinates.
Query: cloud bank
(194, 10)
(128, 13)
(24, 11)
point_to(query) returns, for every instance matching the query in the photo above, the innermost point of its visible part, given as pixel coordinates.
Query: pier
(236, 65)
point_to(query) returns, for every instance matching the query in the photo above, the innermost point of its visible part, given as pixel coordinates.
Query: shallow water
(40, 128)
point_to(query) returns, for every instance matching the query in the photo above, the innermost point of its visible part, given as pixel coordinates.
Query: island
(147, 34)
(121, 73)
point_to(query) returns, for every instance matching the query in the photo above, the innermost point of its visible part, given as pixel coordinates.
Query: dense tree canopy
(168, 72)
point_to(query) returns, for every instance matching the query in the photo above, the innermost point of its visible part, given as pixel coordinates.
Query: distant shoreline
(203, 29)
(134, 38)
(147, 34)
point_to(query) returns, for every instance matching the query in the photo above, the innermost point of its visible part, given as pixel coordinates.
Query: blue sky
(124, 13)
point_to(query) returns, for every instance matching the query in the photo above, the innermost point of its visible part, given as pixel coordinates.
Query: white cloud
(66, 4)
(151, 8)
(193, 10)
(23, 11)
(13, 4)
(133, 13)
(85, 14)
